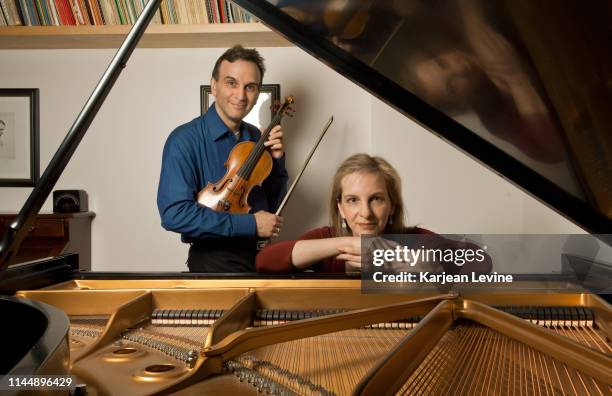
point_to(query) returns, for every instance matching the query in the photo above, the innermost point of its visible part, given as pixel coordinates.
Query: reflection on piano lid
(512, 83)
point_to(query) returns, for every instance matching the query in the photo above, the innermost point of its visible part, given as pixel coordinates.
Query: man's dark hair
(239, 52)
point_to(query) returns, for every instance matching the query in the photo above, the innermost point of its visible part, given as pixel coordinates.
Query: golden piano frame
(110, 364)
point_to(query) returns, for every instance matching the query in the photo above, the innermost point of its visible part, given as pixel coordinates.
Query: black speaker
(69, 201)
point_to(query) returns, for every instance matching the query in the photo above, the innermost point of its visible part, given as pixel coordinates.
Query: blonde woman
(366, 199)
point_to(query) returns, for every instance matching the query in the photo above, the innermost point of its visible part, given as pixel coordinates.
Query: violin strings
(245, 171)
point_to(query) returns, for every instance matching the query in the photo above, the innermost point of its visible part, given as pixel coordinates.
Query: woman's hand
(350, 252)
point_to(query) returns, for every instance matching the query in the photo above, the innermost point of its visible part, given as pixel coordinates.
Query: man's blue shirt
(194, 155)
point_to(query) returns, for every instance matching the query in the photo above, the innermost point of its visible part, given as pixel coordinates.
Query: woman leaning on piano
(366, 199)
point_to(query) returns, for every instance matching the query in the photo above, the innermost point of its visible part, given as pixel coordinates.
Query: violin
(248, 165)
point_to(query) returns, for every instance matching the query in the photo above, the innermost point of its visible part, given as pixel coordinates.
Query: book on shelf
(3, 21)
(117, 12)
(65, 12)
(8, 13)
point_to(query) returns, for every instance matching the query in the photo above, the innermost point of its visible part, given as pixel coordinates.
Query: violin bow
(297, 178)
(261, 243)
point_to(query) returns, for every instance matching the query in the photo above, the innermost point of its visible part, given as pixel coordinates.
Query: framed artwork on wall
(19, 137)
(262, 112)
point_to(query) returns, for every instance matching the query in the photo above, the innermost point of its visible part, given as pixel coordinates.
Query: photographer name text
(440, 278)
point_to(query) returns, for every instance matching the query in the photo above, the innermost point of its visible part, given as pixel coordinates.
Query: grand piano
(522, 86)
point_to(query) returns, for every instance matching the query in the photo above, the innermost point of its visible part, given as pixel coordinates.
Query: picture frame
(19, 137)
(260, 115)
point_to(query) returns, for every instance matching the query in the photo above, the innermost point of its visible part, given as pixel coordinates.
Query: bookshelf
(218, 35)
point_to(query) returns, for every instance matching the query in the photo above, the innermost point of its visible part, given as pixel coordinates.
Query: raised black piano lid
(522, 86)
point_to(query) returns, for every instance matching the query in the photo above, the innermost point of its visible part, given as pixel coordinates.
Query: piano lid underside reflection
(508, 82)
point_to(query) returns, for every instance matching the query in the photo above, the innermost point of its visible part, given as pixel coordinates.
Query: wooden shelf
(157, 36)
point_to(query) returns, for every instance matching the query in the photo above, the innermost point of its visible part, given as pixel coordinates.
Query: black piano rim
(49, 328)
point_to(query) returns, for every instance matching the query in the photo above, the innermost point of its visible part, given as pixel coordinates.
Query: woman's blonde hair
(364, 163)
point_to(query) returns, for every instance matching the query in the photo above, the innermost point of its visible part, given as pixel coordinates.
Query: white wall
(119, 160)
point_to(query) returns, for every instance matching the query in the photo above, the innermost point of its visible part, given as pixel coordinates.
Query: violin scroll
(285, 108)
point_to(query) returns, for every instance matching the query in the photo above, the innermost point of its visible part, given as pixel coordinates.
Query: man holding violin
(195, 155)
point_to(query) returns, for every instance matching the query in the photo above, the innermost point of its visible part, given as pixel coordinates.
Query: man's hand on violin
(275, 142)
(268, 224)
